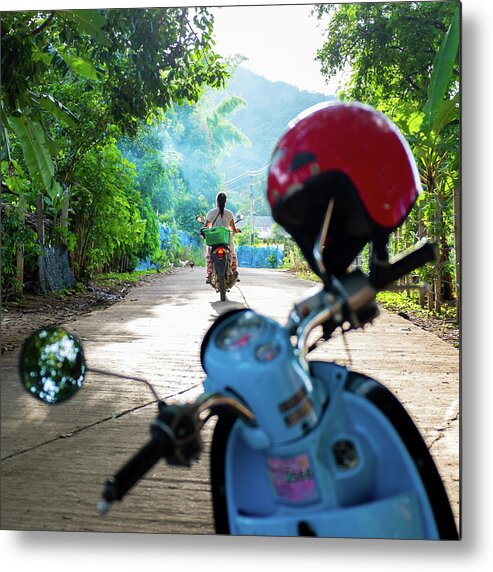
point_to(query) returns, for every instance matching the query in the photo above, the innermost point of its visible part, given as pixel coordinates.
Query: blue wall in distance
(256, 256)
(165, 235)
(248, 256)
(166, 232)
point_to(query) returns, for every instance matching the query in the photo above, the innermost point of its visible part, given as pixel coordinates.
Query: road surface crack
(443, 430)
(96, 423)
(75, 431)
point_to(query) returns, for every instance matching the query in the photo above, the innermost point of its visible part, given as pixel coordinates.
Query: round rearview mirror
(52, 365)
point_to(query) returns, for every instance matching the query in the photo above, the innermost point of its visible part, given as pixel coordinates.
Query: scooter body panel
(267, 377)
(322, 460)
(220, 263)
(371, 490)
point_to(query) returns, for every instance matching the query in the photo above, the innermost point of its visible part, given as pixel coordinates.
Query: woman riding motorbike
(221, 216)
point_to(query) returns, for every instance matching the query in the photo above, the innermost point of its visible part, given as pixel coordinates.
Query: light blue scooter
(300, 448)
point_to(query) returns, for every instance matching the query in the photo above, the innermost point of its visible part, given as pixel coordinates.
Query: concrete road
(55, 459)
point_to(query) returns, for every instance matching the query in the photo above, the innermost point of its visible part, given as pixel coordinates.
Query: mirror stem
(117, 375)
(320, 244)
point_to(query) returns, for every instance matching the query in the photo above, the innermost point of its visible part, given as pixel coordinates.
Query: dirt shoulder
(19, 318)
(443, 327)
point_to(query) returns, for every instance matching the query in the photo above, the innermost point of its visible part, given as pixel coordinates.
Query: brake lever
(210, 403)
(183, 424)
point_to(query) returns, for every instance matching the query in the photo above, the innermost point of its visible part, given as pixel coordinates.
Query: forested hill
(269, 107)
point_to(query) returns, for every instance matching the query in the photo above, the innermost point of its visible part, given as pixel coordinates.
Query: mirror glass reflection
(52, 365)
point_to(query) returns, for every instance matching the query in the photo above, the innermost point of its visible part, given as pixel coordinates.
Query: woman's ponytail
(221, 202)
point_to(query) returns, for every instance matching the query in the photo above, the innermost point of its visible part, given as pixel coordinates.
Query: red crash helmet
(353, 154)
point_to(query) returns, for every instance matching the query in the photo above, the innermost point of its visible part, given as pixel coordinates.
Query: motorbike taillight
(220, 252)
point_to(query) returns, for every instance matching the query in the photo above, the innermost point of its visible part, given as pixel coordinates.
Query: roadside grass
(307, 274)
(65, 293)
(116, 280)
(403, 302)
(113, 279)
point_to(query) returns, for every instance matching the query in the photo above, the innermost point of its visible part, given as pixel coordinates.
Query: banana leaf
(57, 109)
(447, 112)
(35, 150)
(79, 65)
(90, 22)
(443, 65)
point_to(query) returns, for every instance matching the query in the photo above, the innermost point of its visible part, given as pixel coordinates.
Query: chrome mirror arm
(319, 245)
(127, 378)
(316, 318)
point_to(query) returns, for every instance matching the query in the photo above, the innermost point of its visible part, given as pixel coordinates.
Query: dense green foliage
(177, 160)
(389, 47)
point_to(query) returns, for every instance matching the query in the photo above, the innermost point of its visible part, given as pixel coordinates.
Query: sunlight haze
(280, 43)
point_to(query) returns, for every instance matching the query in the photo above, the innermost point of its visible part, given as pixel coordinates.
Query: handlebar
(175, 436)
(118, 486)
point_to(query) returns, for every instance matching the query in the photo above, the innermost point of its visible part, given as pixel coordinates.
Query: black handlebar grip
(384, 274)
(118, 485)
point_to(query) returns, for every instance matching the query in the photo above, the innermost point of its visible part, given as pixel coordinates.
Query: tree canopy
(125, 65)
(388, 47)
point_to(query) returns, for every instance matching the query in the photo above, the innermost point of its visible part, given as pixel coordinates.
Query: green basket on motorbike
(216, 235)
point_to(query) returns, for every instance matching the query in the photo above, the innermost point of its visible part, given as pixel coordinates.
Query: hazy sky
(280, 42)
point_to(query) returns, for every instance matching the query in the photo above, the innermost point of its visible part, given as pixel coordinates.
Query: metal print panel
(300, 378)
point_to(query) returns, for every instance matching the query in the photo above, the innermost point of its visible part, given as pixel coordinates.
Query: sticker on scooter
(293, 479)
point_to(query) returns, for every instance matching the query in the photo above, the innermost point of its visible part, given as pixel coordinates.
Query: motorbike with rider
(218, 232)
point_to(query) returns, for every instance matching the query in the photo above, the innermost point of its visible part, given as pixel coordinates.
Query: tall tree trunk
(40, 225)
(19, 284)
(440, 264)
(64, 215)
(438, 293)
(458, 248)
(431, 296)
(83, 229)
(447, 279)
